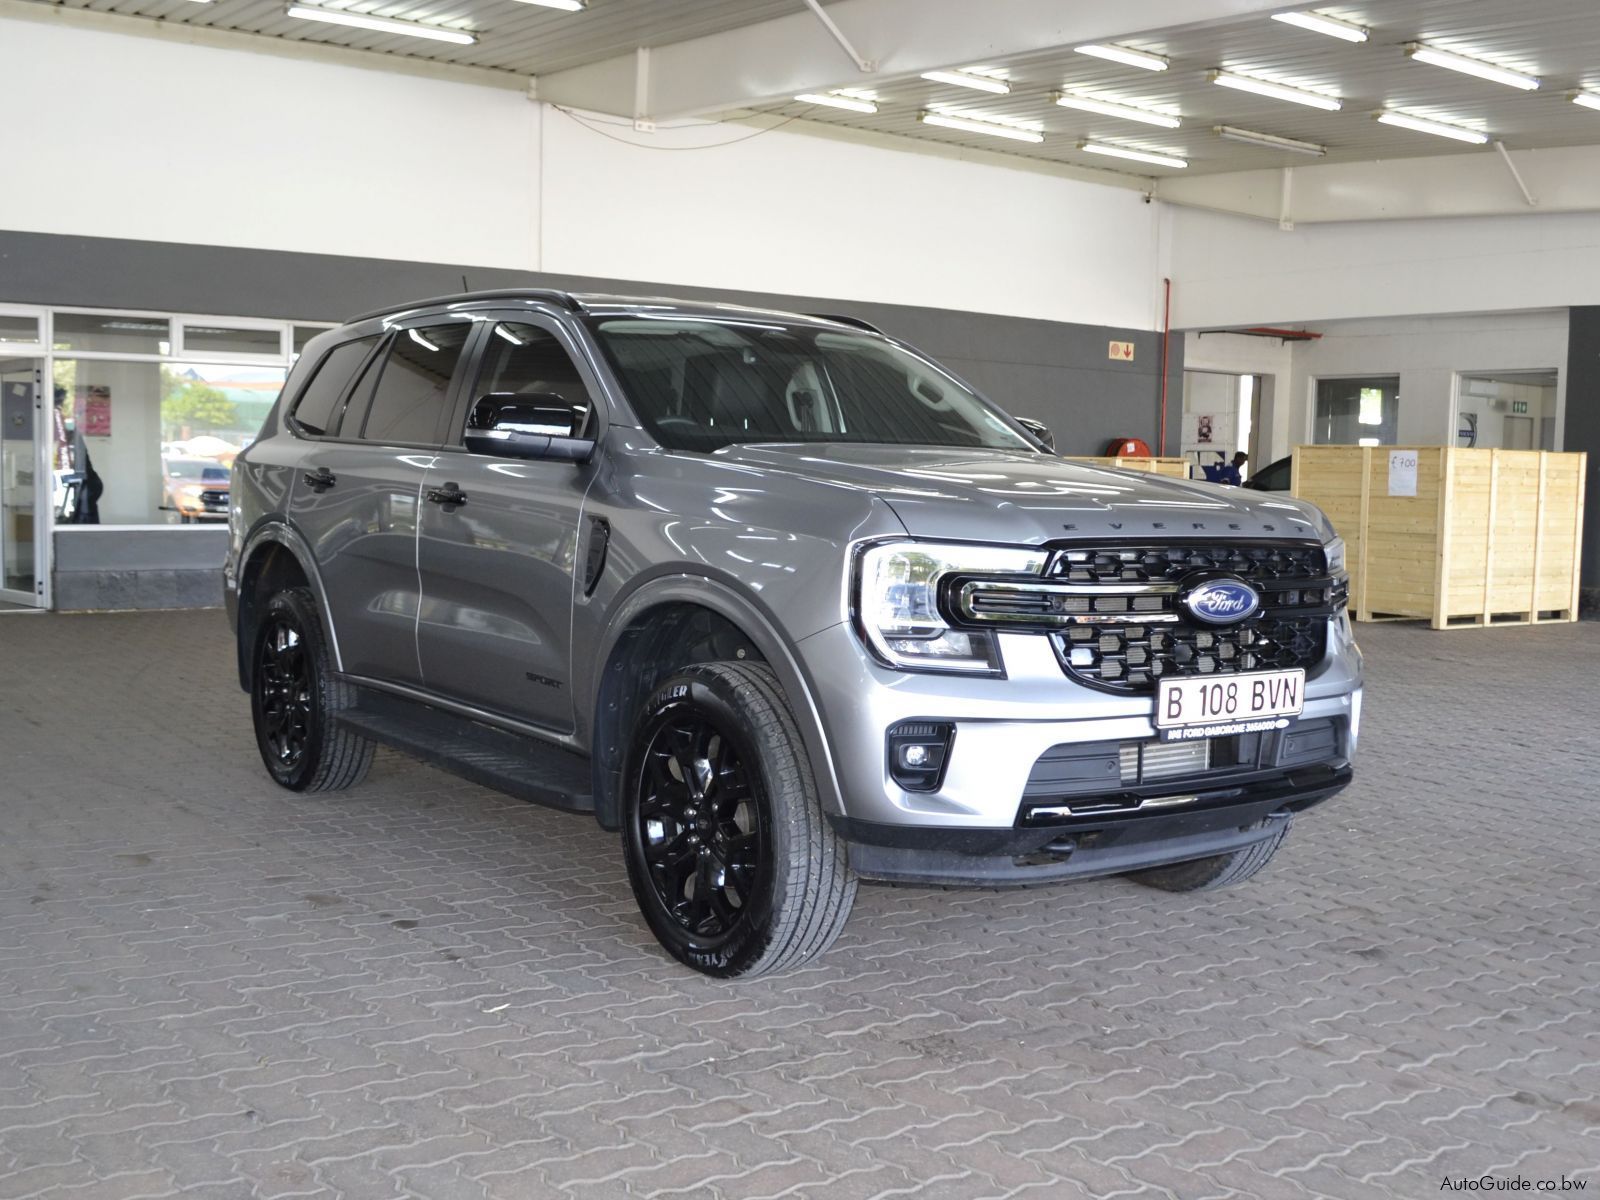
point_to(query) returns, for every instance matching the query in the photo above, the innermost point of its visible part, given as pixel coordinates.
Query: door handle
(320, 480)
(449, 496)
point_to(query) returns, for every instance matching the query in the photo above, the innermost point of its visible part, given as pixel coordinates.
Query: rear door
(357, 492)
(498, 567)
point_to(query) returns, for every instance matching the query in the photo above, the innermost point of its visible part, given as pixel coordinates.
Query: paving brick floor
(423, 989)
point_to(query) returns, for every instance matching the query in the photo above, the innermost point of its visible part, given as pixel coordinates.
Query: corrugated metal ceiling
(1558, 40)
(528, 39)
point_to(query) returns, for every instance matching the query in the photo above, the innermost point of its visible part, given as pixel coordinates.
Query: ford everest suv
(781, 600)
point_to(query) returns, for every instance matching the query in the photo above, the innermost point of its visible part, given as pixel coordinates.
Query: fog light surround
(918, 752)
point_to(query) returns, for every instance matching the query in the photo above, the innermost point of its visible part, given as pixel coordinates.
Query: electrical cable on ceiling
(594, 128)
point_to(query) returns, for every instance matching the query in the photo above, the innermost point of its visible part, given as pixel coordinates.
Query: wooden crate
(1176, 467)
(1492, 537)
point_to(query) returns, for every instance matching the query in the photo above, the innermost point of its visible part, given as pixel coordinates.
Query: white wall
(161, 141)
(1237, 271)
(790, 212)
(209, 145)
(1427, 353)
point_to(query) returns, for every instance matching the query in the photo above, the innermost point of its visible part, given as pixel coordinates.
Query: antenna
(464, 286)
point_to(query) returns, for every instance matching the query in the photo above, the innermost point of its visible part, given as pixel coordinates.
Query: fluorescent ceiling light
(1318, 23)
(834, 100)
(1144, 156)
(1587, 99)
(1440, 128)
(1129, 58)
(970, 79)
(1470, 66)
(1270, 140)
(333, 16)
(1108, 108)
(972, 125)
(1277, 91)
(563, 5)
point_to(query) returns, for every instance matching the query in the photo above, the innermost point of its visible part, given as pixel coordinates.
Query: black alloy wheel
(296, 698)
(284, 693)
(699, 827)
(736, 869)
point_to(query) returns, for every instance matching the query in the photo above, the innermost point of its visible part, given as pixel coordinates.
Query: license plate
(1218, 705)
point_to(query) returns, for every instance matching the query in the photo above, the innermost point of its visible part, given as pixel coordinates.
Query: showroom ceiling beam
(1564, 179)
(777, 59)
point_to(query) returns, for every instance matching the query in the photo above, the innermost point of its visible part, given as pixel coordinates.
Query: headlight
(1335, 552)
(898, 603)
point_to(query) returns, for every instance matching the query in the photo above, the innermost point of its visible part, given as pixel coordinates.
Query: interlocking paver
(423, 989)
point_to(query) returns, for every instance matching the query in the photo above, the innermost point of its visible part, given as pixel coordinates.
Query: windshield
(702, 384)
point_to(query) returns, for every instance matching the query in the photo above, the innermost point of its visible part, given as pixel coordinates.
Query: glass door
(24, 427)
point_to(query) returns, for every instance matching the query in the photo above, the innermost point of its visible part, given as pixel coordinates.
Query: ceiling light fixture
(834, 100)
(331, 16)
(1271, 140)
(1109, 108)
(1144, 156)
(970, 79)
(563, 5)
(1470, 66)
(1439, 128)
(1277, 91)
(1587, 99)
(973, 125)
(1317, 22)
(1127, 57)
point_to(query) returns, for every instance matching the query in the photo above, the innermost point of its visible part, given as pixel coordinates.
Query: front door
(24, 476)
(497, 563)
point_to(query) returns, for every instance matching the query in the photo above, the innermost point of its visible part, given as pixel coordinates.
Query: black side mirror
(1041, 432)
(529, 425)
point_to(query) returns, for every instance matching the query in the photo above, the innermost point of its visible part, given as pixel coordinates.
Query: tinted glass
(228, 339)
(15, 328)
(409, 400)
(316, 408)
(1357, 412)
(701, 385)
(524, 360)
(125, 334)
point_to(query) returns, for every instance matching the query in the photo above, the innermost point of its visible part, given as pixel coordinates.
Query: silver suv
(781, 600)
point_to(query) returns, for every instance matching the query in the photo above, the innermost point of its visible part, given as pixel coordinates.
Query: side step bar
(518, 766)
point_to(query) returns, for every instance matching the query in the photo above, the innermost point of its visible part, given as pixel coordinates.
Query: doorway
(1507, 410)
(24, 478)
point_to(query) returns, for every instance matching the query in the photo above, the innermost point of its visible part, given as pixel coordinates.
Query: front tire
(734, 866)
(295, 699)
(1218, 871)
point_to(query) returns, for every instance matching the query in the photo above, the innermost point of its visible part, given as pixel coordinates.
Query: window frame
(341, 403)
(465, 368)
(455, 432)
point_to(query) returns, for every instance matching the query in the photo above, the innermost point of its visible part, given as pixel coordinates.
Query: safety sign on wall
(1121, 351)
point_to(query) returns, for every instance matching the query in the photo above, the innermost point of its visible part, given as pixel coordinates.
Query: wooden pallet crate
(1490, 537)
(1178, 468)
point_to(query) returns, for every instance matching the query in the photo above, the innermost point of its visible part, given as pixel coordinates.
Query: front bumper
(1002, 728)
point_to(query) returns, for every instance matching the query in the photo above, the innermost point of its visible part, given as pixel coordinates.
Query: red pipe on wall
(1166, 338)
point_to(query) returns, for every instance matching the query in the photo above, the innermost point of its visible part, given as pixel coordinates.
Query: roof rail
(564, 299)
(856, 321)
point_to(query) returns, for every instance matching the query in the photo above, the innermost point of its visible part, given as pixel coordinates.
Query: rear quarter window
(317, 409)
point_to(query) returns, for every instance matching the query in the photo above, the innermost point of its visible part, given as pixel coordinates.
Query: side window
(315, 412)
(409, 399)
(524, 360)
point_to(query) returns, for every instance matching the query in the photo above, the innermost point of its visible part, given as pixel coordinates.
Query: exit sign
(1519, 406)
(1121, 351)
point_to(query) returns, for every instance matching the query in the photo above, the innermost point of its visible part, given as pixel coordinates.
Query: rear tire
(734, 866)
(295, 699)
(1218, 871)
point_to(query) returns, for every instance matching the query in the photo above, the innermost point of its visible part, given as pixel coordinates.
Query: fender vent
(594, 563)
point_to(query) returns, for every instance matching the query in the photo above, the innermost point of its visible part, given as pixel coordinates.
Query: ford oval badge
(1220, 601)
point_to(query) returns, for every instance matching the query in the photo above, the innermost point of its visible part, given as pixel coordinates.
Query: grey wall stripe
(1055, 371)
